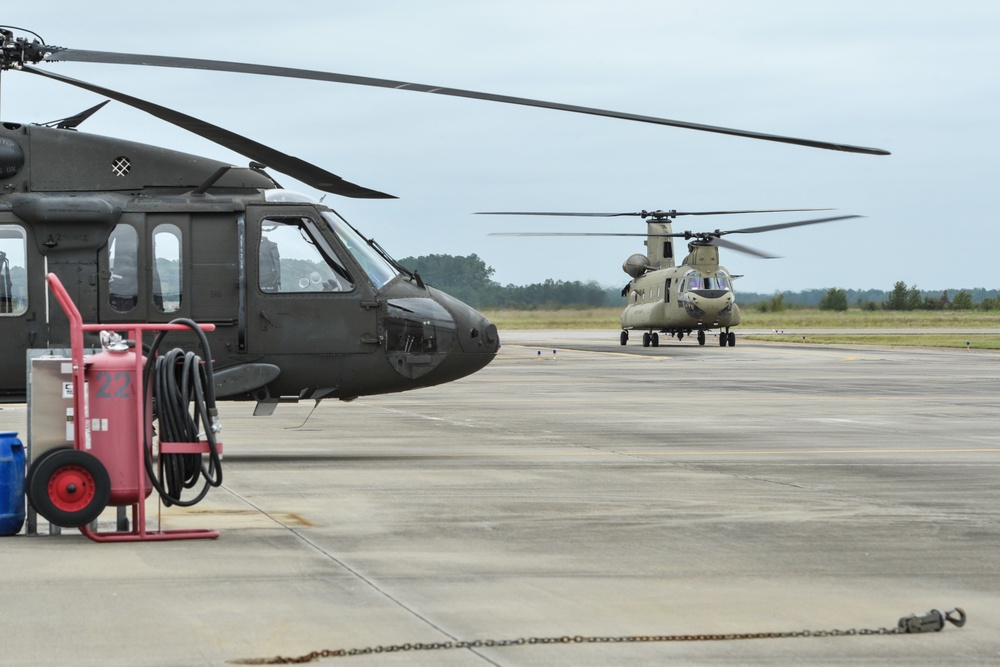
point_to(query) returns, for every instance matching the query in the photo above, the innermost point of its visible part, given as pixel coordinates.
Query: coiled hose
(183, 390)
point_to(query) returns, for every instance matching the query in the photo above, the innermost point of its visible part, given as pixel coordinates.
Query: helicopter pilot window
(13, 271)
(290, 261)
(167, 268)
(695, 281)
(123, 285)
(368, 254)
(692, 282)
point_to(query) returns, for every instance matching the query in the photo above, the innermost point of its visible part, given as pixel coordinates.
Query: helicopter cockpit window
(721, 281)
(291, 261)
(692, 281)
(167, 268)
(695, 281)
(378, 268)
(123, 285)
(13, 271)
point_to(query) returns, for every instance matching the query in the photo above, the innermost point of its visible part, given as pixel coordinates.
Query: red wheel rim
(71, 488)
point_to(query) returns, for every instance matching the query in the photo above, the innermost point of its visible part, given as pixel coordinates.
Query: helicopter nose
(476, 344)
(707, 303)
(476, 334)
(435, 338)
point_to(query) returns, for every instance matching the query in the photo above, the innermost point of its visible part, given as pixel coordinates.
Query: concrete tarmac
(574, 487)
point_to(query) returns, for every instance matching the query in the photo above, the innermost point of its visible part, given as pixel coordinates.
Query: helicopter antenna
(72, 122)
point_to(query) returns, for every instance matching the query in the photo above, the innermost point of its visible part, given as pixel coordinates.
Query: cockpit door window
(290, 261)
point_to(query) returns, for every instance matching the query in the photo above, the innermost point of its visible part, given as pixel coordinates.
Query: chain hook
(957, 622)
(932, 621)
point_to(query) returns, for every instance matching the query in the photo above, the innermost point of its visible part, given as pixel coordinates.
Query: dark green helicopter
(304, 305)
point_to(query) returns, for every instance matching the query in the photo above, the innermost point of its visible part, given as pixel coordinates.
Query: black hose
(183, 390)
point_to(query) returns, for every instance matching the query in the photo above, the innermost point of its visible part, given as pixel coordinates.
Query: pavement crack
(333, 558)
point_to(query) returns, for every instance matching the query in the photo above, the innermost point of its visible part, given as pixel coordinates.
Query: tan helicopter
(678, 299)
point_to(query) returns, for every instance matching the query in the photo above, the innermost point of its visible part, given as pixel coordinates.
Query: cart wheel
(34, 466)
(69, 487)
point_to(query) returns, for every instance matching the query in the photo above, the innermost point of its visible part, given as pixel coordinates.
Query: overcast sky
(917, 78)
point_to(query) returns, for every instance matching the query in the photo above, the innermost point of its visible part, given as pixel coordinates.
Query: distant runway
(574, 487)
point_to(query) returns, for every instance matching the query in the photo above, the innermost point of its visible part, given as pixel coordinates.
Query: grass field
(962, 320)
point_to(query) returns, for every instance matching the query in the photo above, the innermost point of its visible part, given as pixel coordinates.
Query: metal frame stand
(81, 423)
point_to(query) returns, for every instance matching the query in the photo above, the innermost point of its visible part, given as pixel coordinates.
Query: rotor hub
(16, 52)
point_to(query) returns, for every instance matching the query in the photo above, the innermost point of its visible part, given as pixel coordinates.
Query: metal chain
(566, 639)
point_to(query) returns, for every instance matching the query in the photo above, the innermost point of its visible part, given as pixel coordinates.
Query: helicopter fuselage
(694, 296)
(667, 300)
(304, 306)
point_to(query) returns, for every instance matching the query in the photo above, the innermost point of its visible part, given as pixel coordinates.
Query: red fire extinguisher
(115, 430)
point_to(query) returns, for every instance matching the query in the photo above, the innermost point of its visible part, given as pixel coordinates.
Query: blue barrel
(11, 484)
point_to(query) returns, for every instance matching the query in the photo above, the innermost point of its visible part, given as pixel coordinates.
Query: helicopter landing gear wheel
(723, 339)
(680, 335)
(701, 337)
(732, 339)
(646, 339)
(69, 487)
(654, 339)
(624, 337)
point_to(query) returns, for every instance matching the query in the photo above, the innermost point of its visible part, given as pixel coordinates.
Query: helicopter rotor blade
(713, 241)
(648, 214)
(713, 238)
(759, 210)
(572, 234)
(57, 54)
(741, 248)
(558, 213)
(292, 166)
(785, 225)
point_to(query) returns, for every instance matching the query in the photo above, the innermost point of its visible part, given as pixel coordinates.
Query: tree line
(471, 280)
(901, 297)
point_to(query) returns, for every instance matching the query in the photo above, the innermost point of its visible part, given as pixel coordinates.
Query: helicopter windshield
(378, 268)
(721, 281)
(695, 281)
